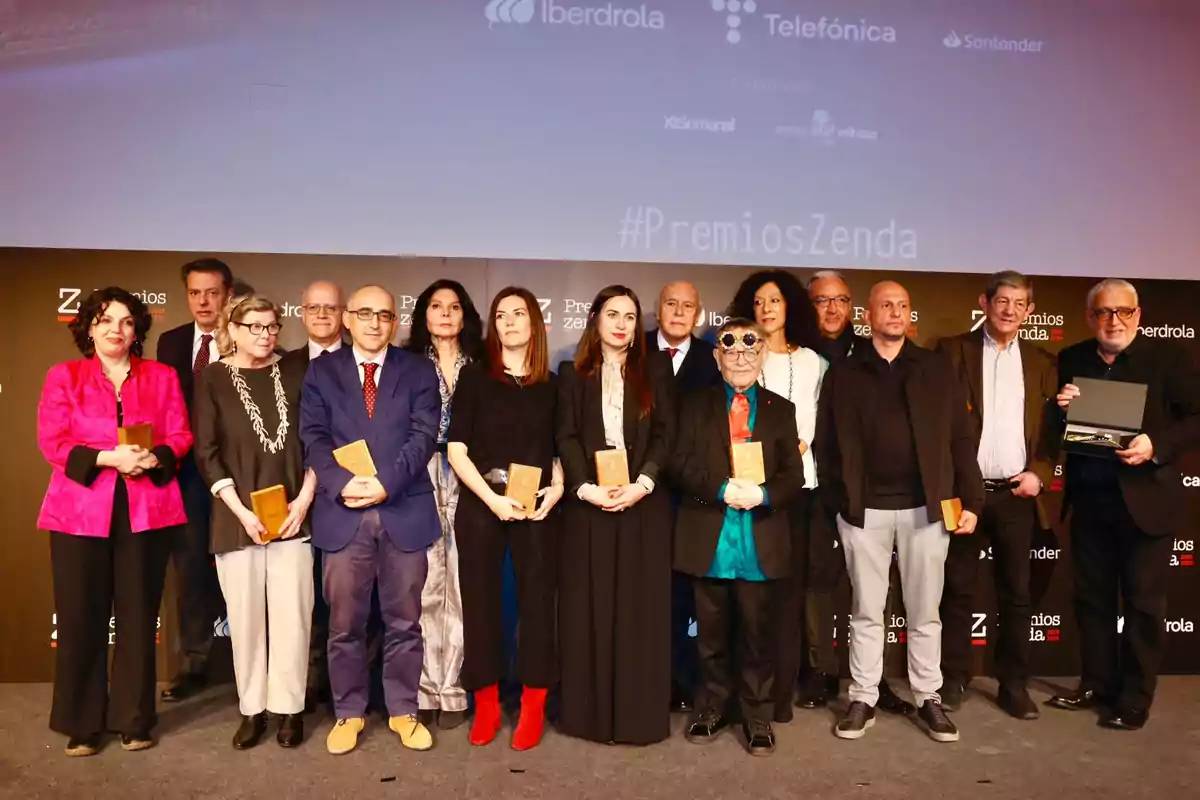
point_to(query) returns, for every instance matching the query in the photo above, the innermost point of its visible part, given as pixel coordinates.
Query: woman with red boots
(502, 416)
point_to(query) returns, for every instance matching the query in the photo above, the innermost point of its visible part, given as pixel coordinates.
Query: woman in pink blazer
(111, 511)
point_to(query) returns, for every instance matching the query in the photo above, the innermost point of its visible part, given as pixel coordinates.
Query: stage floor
(1063, 755)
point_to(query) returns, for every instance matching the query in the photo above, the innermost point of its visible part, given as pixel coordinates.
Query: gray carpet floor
(1063, 756)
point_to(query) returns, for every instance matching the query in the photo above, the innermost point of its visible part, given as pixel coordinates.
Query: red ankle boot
(487, 715)
(532, 721)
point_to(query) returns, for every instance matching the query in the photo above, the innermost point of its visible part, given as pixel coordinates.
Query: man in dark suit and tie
(373, 529)
(1124, 510)
(692, 362)
(188, 349)
(732, 536)
(321, 307)
(1011, 386)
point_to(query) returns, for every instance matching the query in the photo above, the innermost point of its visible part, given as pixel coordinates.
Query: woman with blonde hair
(246, 413)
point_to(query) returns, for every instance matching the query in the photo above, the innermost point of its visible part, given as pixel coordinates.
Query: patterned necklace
(239, 383)
(762, 378)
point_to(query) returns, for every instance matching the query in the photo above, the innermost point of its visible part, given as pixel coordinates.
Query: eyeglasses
(367, 314)
(752, 346)
(840, 300)
(257, 328)
(728, 339)
(1105, 314)
(318, 310)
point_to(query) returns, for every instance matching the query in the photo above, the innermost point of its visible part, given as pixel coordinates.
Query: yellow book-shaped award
(748, 462)
(356, 458)
(952, 513)
(270, 505)
(141, 434)
(612, 468)
(523, 483)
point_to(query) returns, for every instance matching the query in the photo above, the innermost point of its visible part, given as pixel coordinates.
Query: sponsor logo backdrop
(46, 286)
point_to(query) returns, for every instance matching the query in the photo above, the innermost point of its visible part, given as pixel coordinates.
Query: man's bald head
(372, 334)
(888, 311)
(678, 311)
(321, 312)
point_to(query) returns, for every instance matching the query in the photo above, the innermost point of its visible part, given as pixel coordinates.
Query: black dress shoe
(448, 720)
(760, 739)
(1126, 719)
(142, 740)
(1017, 703)
(1078, 701)
(892, 703)
(816, 691)
(705, 727)
(250, 731)
(185, 685)
(291, 731)
(953, 695)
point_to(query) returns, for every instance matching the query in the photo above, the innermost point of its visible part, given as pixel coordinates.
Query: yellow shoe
(413, 734)
(344, 736)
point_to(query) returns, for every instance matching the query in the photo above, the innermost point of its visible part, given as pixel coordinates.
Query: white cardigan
(806, 372)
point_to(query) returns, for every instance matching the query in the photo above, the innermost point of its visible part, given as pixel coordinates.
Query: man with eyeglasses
(731, 535)
(1125, 509)
(1011, 388)
(679, 311)
(373, 529)
(321, 308)
(893, 442)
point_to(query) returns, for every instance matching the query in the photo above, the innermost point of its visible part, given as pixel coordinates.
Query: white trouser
(441, 603)
(921, 546)
(277, 579)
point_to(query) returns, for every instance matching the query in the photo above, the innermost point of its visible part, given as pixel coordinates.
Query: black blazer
(947, 449)
(699, 369)
(965, 352)
(580, 425)
(1153, 492)
(175, 350)
(701, 465)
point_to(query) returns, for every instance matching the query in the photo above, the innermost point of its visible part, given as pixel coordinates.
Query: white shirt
(1002, 445)
(213, 355)
(680, 352)
(315, 350)
(361, 359)
(806, 371)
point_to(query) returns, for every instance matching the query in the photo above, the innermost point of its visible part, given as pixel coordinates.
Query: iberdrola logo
(952, 41)
(506, 11)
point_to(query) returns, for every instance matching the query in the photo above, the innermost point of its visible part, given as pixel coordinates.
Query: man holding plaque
(897, 459)
(1011, 387)
(1125, 507)
(369, 421)
(738, 467)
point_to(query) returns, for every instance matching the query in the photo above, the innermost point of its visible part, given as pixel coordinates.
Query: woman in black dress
(247, 423)
(503, 414)
(615, 569)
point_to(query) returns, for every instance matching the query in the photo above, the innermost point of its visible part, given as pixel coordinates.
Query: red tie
(739, 419)
(369, 389)
(671, 351)
(202, 355)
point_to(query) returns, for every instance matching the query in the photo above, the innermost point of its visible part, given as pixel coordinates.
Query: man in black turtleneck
(827, 567)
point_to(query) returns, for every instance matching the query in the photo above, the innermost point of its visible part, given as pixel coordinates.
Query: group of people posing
(654, 479)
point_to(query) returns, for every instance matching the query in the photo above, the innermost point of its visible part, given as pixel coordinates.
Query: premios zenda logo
(1045, 628)
(1183, 553)
(68, 302)
(549, 12)
(1037, 327)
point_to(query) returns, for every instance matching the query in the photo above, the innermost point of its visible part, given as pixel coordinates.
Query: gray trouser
(921, 547)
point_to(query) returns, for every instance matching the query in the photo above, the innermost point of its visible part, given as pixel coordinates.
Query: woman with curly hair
(447, 330)
(112, 426)
(777, 301)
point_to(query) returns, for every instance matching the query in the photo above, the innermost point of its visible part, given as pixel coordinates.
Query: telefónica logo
(733, 10)
(549, 12)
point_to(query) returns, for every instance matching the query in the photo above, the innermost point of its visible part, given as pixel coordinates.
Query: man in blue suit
(373, 529)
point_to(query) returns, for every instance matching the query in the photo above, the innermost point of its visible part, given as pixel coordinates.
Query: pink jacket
(79, 407)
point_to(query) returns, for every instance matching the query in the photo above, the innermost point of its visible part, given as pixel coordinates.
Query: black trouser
(318, 643)
(94, 577)
(199, 601)
(743, 610)
(1008, 524)
(791, 643)
(482, 540)
(1119, 571)
(683, 647)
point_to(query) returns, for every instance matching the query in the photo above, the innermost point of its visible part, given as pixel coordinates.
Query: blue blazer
(401, 437)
